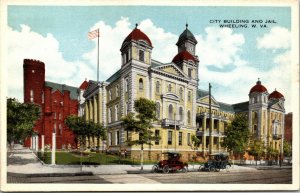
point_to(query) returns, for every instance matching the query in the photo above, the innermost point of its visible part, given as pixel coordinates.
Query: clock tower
(187, 42)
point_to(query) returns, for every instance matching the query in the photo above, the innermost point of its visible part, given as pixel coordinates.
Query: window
(54, 115)
(117, 91)
(180, 138)
(171, 111)
(157, 135)
(190, 73)
(109, 95)
(181, 93)
(54, 128)
(189, 96)
(141, 55)
(188, 139)
(157, 110)
(127, 56)
(180, 113)
(169, 137)
(60, 129)
(59, 116)
(31, 95)
(169, 87)
(157, 86)
(141, 84)
(116, 112)
(117, 137)
(109, 115)
(215, 140)
(43, 97)
(189, 117)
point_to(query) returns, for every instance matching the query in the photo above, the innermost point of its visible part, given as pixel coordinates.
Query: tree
(237, 135)
(21, 118)
(141, 123)
(256, 149)
(83, 129)
(287, 149)
(194, 145)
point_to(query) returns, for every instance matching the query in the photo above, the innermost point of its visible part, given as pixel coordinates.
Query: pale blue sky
(69, 25)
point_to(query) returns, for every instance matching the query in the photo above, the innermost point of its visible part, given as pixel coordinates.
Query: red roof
(258, 88)
(275, 95)
(137, 34)
(184, 55)
(84, 85)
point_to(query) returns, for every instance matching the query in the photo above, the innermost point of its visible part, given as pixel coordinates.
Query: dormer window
(141, 55)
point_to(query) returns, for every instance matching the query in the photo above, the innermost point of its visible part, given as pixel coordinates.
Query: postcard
(149, 96)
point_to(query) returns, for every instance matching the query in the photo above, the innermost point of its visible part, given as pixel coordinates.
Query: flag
(94, 34)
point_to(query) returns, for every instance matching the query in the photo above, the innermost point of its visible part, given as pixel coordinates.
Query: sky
(232, 58)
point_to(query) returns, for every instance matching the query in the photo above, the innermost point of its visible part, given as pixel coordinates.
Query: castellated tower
(34, 80)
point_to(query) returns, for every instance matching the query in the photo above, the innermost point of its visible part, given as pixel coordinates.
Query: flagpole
(98, 58)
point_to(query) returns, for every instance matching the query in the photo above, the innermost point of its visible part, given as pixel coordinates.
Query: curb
(22, 175)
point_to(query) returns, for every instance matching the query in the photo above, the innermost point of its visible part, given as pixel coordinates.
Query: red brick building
(288, 125)
(57, 102)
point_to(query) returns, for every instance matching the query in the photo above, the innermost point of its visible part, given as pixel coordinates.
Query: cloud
(277, 38)
(220, 47)
(29, 44)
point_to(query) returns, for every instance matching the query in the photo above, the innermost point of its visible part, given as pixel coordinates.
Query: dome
(186, 35)
(184, 55)
(136, 35)
(258, 88)
(275, 95)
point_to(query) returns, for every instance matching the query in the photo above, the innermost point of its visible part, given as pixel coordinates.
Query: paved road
(236, 177)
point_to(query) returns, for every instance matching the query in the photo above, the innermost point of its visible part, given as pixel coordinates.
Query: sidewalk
(23, 162)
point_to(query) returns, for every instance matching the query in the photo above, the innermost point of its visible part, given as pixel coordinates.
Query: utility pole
(175, 128)
(210, 121)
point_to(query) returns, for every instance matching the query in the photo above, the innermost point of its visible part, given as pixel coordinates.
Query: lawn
(67, 158)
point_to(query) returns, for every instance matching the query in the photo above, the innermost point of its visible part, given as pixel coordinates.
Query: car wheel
(184, 169)
(228, 166)
(211, 168)
(166, 169)
(217, 169)
(155, 169)
(201, 168)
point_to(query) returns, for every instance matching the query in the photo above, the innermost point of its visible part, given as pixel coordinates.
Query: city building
(182, 108)
(288, 128)
(57, 101)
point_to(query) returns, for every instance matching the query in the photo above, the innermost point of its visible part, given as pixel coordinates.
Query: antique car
(170, 162)
(216, 162)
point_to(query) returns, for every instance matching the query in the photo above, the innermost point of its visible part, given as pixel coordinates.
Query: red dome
(275, 95)
(258, 88)
(137, 34)
(184, 55)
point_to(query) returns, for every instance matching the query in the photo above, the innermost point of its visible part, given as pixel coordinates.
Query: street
(270, 176)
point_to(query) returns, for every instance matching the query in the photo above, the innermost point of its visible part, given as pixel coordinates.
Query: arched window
(157, 86)
(181, 92)
(157, 110)
(116, 112)
(109, 115)
(31, 96)
(109, 93)
(171, 111)
(43, 97)
(181, 113)
(189, 96)
(189, 117)
(141, 84)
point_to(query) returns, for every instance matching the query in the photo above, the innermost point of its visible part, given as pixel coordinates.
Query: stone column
(53, 149)
(37, 143)
(95, 109)
(204, 135)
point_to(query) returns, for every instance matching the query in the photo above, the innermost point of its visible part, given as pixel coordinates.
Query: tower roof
(258, 88)
(186, 35)
(275, 95)
(84, 85)
(137, 34)
(184, 55)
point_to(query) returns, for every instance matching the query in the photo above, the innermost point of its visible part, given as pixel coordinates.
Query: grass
(67, 158)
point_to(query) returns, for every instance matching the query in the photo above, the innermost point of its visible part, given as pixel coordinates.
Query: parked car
(216, 162)
(171, 162)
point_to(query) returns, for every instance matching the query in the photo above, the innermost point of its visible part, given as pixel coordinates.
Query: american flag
(94, 34)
